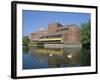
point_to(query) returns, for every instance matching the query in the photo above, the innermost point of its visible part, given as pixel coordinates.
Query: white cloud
(42, 28)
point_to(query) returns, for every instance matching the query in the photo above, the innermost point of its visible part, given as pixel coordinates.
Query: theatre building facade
(57, 36)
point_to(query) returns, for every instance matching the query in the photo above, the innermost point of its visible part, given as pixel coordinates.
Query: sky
(36, 20)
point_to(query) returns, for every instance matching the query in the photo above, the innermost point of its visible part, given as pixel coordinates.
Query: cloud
(42, 28)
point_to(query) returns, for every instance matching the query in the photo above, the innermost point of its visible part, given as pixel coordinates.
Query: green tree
(86, 34)
(25, 41)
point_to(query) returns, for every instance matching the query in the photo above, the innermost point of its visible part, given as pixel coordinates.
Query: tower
(72, 37)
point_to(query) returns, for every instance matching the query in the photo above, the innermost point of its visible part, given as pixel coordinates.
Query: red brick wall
(53, 27)
(72, 35)
(37, 35)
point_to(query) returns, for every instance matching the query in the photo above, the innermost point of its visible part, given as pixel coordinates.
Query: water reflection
(52, 58)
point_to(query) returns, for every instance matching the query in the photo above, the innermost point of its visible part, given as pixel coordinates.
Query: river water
(39, 57)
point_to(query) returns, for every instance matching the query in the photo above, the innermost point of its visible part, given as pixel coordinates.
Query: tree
(86, 34)
(25, 41)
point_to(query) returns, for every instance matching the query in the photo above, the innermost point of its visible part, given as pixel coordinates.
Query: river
(39, 57)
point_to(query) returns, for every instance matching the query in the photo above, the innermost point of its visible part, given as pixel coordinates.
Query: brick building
(57, 33)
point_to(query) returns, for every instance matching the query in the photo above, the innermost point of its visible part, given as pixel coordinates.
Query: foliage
(85, 32)
(25, 41)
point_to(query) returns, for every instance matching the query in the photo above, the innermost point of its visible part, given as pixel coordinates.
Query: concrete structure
(57, 35)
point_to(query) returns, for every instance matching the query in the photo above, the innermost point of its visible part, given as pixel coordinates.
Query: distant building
(57, 33)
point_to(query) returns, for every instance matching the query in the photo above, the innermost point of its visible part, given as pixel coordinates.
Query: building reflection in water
(69, 57)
